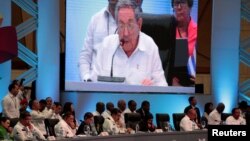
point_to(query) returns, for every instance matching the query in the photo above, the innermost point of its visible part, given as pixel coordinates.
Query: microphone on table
(111, 78)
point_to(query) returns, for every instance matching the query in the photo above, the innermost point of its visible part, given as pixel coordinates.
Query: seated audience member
(23, 105)
(146, 124)
(109, 107)
(24, 130)
(112, 124)
(49, 104)
(208, 108)
(11, 103)
(121, 104)
(243, 108)
(131, 107)
(69, 107)
(66, 127)
(57, 111)
(214, 117)
(144, 110)
(188, 121)
(100, 108)
(38, 117)
(192, 101)
(88, 121)
(235, 118)
(5, 129)
(186, 28)
(130, 53)
(42, 104)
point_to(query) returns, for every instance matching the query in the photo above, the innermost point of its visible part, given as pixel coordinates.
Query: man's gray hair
(127, 4)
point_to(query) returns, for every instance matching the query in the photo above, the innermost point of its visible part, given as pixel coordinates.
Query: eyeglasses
(180, 3)
(122, 26)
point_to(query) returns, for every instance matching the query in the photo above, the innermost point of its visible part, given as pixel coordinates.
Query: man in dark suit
(192, 101)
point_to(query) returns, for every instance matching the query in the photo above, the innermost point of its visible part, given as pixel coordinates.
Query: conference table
(199, 135)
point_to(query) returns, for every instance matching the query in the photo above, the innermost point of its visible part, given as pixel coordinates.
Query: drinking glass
(203, 124)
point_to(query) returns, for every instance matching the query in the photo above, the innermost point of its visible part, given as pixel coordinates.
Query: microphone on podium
(111, 78)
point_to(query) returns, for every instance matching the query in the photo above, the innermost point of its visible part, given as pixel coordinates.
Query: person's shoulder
(6, 97)
(100, 14)
(147, 42)
(146, 37)
(110, 40)
(193, 24)
(2, 129)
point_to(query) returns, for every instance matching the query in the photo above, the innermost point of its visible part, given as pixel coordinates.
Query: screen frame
(114, 87)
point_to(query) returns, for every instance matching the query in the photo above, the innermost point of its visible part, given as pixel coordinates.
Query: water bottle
(113, 131)
(61, 133)
(137, 128)
(169, 127)
(86, 130)
(193, 126)
(94, 132)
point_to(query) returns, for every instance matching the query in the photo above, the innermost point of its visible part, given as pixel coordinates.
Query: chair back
(161, 119)
(132, 119)
(204, 119)
(247, 116)
(224, 116)
(99, 120)
(177, 119)
(161, 27)
(49, 125)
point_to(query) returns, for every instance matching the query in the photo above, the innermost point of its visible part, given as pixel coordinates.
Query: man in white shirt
(101, 25)
(49, 104)
(188, 121)
(38, 117)
(130, 53)
(112, 125)
(109, 107)
(131, 107)
(25, 130)
(214, 118)
(11, 103)
(57, 111)
(121, 104)
(235, 118)
(100, 107)
(66, 127)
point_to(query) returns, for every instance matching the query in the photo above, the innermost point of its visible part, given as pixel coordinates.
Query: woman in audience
(69, 107)
(5, 129)
(146, 124)
(186, 28)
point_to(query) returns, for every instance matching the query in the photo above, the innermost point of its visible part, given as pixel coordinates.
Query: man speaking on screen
(130, 54)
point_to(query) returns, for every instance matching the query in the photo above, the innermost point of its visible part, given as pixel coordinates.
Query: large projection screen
(78, 15)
